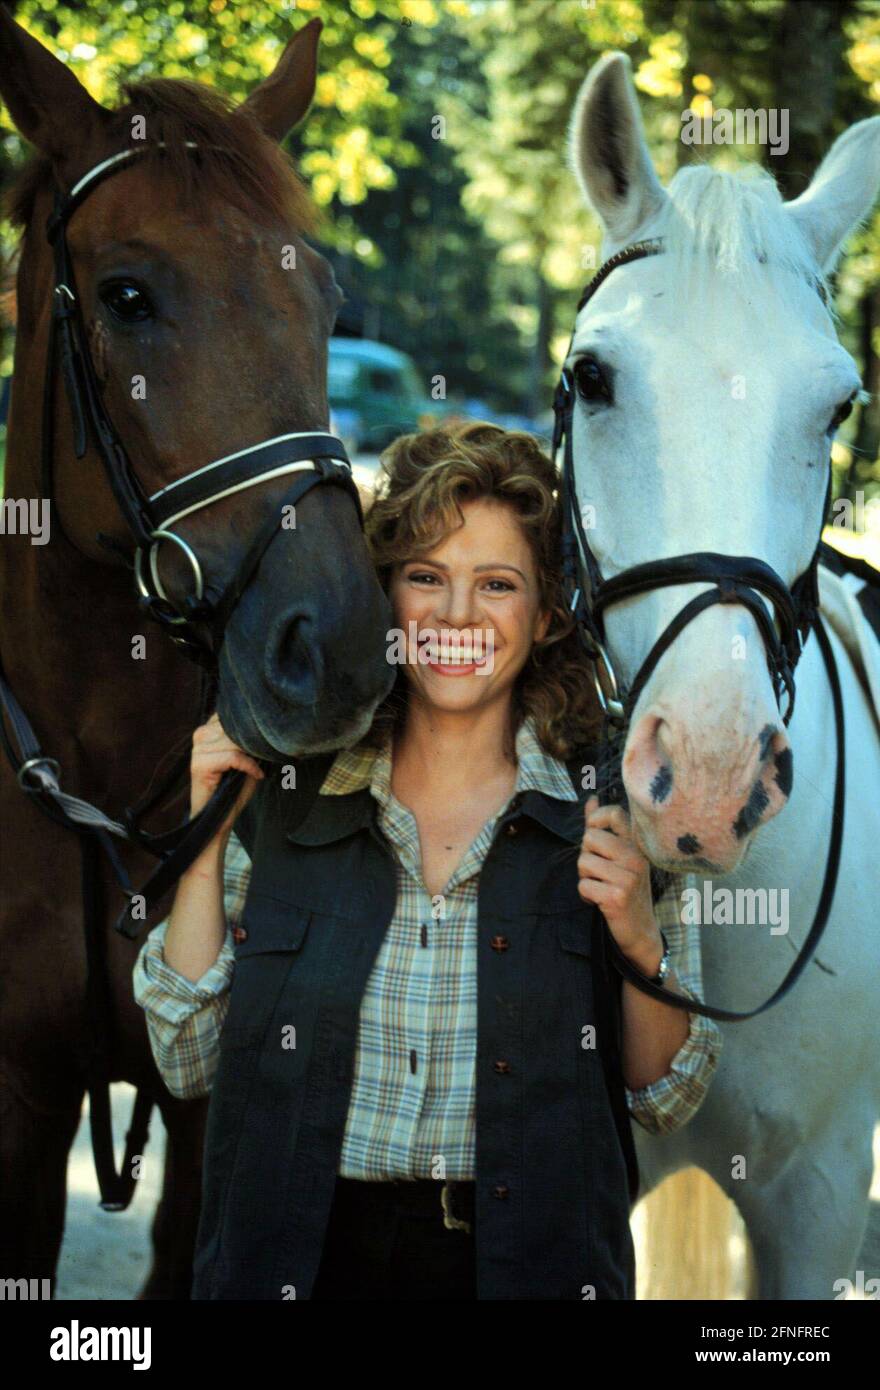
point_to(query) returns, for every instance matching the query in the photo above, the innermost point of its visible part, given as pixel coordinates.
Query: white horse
(710, 382)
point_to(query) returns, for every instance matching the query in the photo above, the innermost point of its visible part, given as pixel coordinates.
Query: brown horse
(197, 288)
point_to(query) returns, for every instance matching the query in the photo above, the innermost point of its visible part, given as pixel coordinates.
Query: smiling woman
(415, 974)
(424, 483)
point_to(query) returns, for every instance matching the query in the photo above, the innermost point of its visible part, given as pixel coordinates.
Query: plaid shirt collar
(355, 768)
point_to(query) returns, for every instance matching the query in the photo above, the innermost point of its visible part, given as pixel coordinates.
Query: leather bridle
(314, 457)
(196, 624)
(735, 579)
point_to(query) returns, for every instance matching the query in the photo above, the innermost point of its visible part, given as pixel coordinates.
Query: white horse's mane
(715, 222)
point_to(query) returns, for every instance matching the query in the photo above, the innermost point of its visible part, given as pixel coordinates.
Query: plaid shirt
(414, 1079)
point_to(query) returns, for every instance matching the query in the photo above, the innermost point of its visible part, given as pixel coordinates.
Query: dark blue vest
(555, 1162)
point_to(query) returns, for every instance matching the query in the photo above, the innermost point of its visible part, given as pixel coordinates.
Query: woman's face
(470, 610)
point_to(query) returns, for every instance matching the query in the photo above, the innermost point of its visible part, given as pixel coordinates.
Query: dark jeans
(388, 1240)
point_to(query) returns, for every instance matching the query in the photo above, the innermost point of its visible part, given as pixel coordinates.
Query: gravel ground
(107, 1254)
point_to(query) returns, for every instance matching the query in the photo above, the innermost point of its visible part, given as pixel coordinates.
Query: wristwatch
(660, 977)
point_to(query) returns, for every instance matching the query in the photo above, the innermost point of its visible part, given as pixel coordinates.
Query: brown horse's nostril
(292, 663)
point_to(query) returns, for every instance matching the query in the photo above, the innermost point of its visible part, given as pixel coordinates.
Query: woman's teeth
(452, 655)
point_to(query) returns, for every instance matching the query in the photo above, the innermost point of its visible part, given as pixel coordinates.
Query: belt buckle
(447, 1202)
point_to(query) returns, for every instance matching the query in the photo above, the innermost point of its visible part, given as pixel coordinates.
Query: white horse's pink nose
(696, 806)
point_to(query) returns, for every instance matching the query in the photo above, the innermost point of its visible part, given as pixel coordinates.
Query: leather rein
(735, 579)
(196, 624)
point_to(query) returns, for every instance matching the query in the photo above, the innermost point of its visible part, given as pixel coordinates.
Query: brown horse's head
(208, 317)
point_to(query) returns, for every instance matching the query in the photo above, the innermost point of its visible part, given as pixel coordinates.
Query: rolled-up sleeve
(669, 1102)
(185, 1017)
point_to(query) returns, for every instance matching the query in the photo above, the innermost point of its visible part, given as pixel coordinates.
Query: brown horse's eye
(590, 380)
(126, 301)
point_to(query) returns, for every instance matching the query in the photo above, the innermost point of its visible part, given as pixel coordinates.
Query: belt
(421, 1197)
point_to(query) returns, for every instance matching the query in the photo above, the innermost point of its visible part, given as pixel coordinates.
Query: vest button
(501, 1192)
(500, 943)
(512, 828)
(239, 934)
(502, 1068)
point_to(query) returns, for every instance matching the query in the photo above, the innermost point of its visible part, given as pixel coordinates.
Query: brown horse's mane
(249, 169)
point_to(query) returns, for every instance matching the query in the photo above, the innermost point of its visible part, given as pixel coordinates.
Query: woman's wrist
(209, 863)
(647, 957)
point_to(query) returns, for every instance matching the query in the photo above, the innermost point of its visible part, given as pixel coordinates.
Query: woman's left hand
(616, 876)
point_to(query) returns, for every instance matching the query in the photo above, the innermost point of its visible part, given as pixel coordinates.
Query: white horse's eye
(591, 382)
(843, 412)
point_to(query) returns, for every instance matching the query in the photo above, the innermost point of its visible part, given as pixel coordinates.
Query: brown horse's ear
(49, 106)
(283, 98)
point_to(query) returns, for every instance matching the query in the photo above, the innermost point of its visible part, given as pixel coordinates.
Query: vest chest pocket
(574, 932)
(270, 925)
(273, 935)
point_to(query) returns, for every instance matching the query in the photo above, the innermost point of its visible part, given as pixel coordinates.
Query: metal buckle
(611, 703)
(448, 1194)
(41, 761)
(158, 591)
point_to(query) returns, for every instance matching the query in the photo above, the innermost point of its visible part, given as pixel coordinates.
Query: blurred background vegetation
(437, 147)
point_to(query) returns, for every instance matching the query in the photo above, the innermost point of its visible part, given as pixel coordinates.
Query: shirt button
(501, 1192)
(502, 1068)
(499, 943)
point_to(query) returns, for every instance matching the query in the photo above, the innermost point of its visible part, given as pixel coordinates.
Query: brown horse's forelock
(236, 162)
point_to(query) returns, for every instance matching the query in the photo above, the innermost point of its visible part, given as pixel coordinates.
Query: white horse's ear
(842, 193)
(609, 153)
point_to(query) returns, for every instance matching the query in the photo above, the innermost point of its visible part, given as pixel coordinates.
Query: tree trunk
(866, 445)
(809, 58)
(537, 394)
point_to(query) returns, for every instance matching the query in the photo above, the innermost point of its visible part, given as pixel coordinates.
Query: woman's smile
(457, 653)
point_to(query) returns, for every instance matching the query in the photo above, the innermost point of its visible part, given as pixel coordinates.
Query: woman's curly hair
(423, 480)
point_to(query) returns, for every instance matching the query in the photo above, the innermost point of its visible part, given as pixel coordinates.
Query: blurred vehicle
(375, 394)
(541, 426)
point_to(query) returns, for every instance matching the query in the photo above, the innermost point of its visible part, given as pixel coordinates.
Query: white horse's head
(709, 383)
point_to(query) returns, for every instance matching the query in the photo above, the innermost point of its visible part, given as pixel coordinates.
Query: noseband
(315, 457)
(735, 579)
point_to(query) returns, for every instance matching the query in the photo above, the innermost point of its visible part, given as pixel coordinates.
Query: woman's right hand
(214, 753)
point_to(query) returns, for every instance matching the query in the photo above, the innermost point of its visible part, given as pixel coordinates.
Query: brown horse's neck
(69, 624)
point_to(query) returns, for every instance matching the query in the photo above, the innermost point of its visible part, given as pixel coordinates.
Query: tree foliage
(437, 144)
